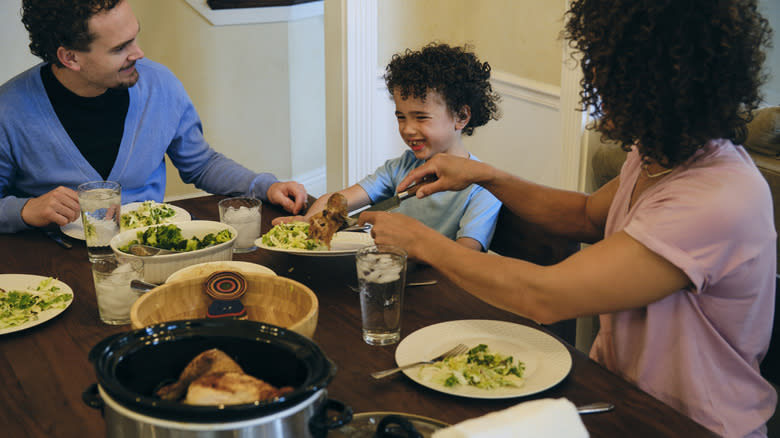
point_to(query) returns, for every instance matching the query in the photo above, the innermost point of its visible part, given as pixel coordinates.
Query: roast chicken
(230, 388)
(323, 225)
(213, 378)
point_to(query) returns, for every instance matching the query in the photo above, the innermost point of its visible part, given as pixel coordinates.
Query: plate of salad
(504, 360)
(136, 215)
(293, 238)
(30, 300)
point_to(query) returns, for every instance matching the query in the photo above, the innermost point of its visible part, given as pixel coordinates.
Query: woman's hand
(398, 229)
(451, 173)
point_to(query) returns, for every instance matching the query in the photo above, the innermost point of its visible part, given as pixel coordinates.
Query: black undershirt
(94, 124)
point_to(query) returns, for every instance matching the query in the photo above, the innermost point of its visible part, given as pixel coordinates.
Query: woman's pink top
(699, 350)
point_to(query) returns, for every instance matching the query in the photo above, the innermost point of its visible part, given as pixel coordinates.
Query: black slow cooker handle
(92, 398)
(409, 430)
(320, 423)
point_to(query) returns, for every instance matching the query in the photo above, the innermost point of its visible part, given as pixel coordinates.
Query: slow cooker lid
(130, 366)
(366, 424)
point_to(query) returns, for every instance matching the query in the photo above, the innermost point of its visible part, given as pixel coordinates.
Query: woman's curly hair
(55, 23)
(669, 75)
(454, 72)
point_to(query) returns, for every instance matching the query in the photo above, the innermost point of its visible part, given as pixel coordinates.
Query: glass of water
(243, 214)
(381, 274)
(112, 278)
(100, 203)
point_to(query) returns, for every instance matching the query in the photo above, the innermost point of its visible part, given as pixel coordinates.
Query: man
(96, 109)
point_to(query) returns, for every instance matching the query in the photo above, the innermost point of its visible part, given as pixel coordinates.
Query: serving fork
(142, 250)
(458, 349)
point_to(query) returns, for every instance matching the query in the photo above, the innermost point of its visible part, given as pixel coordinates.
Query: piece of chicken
(210, 361)
(230, 388)
(323, 225)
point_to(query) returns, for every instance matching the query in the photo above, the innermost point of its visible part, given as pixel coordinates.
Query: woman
(682, 264)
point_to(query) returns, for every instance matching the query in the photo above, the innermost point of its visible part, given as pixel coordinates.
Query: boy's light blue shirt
(471, 212)
(37, 154)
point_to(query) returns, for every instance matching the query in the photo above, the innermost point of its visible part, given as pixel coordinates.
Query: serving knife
(394, 201)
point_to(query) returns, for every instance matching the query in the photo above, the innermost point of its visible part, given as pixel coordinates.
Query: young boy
(441, 93)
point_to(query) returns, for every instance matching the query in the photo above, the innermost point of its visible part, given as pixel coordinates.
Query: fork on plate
(456, 350)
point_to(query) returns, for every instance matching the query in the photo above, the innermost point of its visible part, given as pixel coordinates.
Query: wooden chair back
(770, 366)
(519, 239)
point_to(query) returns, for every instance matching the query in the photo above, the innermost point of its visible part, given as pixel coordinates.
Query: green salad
(477, 367)
(292, 235)
(20, 306)
(169, 236)
(148, 213)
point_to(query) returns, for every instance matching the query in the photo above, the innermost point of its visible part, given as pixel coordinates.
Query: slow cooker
(131, 366)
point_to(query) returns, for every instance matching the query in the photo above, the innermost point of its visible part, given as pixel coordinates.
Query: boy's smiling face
(427, 126)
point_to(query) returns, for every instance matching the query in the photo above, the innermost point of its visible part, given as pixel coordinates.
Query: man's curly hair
(454, 72)
(669, 74)
(55, 23)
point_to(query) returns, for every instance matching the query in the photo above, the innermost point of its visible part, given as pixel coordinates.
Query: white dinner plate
(343, 243)
(210, 267)
(28, 283)
(75, 229)
(547, 361)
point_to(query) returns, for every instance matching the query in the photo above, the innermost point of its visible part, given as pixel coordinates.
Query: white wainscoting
(315, 181)
(526, 140)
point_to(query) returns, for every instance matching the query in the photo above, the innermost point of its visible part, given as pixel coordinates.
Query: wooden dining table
(45, 369)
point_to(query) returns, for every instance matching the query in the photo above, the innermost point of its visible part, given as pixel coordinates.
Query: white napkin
(545, 418)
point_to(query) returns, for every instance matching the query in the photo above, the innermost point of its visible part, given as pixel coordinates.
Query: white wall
(516, 37)
(527, 139)
(15, 51)
(771, 10)
(259, 88)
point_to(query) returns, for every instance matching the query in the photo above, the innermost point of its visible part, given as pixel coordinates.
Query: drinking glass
(243, 214)
(100, 203)
(381, 273)
(115, 297)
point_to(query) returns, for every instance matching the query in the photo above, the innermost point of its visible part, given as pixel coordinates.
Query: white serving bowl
(157, 268)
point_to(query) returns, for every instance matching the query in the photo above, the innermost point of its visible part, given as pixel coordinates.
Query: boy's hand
(288, 219)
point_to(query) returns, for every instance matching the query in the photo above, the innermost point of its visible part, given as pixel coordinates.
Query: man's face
(110, 61)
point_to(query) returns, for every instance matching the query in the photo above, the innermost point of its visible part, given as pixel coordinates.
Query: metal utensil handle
(595, 408)
(421, 283)
(385, 373)
(141, 285)
(411, 191)
(57, 238)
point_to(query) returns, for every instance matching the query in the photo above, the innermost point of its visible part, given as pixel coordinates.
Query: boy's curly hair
(454, 72)
(669, 74)
(55, 23)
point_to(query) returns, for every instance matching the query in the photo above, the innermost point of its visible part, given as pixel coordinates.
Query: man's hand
(59, 206)
(289, 194)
